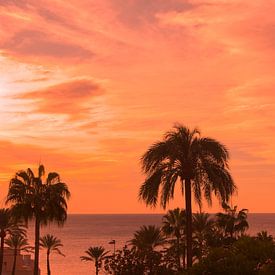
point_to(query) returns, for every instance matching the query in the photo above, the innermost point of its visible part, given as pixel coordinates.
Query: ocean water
(83, 231)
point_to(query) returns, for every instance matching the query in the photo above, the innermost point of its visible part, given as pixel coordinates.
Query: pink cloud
(70, 98)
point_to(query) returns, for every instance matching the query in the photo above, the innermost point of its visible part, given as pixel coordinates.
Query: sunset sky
(86, 86)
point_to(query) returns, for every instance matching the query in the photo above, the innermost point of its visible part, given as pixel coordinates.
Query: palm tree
(95, 254)
(264, 236)
(147, 238)
(45, 202)
(232, 222)
(200, 164)
(174, 224)
(203, 226)
(51, 244)
(18, 243)
(8, 226)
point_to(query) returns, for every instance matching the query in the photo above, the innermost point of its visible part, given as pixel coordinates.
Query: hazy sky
(86, 86)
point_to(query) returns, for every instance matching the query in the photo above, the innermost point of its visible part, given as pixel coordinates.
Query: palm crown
(51, 244)
(30, 197)
(184, 154)
(95, 254)
(147, 238)
(232, 221)
(18, 242)
(173, 223)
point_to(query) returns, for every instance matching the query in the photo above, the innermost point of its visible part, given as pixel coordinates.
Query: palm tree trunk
(188, 208)
(184, 256)
(2, 235)
(14, 261)
(178, 252)
(48, 263)
(36, 252)
(96, 267)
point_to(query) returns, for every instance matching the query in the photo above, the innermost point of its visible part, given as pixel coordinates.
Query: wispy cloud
(70, 98)
(36, 44)
(107, 78)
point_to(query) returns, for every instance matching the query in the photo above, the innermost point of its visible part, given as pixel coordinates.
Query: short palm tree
(264, 236)
(8, 226)
(232, 222)
(95, 254)
(199, 164)
(147, 238)
(203, 226)
(51, 244)
(174, 225)
(45, 202)
(18, 243)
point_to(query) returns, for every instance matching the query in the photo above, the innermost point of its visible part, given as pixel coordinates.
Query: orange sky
(86, 86)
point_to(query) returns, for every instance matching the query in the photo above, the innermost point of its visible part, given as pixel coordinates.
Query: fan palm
(45, 202)
(51, 244)
(200, 164)
(8, 226)
(18, 243)
(95, 254)
(147, 238)
(174, 224)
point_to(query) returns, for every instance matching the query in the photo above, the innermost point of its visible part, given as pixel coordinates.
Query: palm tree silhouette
(199, 163)
(8, 226)
(264, 236)
(174, 224)
(147, 238)
(51, 244)
(46, 202)
(95, 254)
(18, 243)
(232, 222)
(203, 225)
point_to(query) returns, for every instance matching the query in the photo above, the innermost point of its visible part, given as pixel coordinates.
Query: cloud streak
(71, 98)
(108, 78)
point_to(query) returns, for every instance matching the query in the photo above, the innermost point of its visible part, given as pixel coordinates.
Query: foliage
(232, 222)
(129, 261)
(8, 227)
(203, 228)
(174, 228)
(244, 256)
(147, 238)
(95, 254)
(51, 244)
(18, 242)
(31, 198)
(198, 164)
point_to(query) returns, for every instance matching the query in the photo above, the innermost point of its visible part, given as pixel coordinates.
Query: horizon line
(155, 213)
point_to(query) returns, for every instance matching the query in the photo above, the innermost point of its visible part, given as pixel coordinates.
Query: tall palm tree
(18, 243)
(33, 199)
(147, 238)
(51, 244)
(203, 225)
(95, 254)
(8, 226)
(173, 225)
(232, 222)
(199, 164)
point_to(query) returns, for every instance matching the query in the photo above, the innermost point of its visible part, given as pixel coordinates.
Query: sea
(82, 231)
